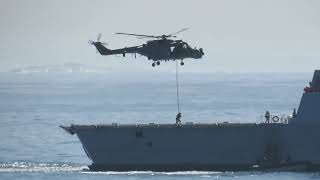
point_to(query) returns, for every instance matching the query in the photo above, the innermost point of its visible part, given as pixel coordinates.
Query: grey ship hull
(226, 146)
(199, 147)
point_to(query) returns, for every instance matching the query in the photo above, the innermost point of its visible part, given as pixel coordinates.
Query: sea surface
(33, 105)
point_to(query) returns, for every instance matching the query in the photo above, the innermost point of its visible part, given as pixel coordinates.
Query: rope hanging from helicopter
(178, 116)
(177, 87)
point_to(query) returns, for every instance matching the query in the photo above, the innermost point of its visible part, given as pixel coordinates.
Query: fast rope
(177, 87)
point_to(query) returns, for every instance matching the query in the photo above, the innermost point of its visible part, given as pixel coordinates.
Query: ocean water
(32, 106)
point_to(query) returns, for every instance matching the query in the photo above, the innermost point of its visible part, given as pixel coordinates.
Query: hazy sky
(236, 35)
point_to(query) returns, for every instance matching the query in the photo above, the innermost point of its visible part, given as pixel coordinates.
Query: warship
(285, 143)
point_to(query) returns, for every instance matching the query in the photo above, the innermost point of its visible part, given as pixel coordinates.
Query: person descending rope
(178, 119)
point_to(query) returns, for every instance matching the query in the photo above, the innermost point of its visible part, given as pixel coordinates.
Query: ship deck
(185, 125)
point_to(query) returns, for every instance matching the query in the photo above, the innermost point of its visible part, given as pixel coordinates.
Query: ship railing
(275, 119)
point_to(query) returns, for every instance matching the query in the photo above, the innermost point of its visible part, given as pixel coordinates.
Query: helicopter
(161, 48)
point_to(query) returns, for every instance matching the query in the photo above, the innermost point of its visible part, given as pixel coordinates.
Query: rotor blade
(90, 42)
(184, 29)
(137, 35)
(143, 37)
(99, 37)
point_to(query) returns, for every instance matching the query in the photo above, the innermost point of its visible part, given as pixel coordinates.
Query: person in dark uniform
(267, 116)
(294, 114)
(178, 118)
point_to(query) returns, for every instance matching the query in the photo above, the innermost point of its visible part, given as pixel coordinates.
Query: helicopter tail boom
(102, 49)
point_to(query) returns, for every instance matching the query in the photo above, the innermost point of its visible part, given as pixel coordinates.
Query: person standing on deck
(267, 116)
(294, 114)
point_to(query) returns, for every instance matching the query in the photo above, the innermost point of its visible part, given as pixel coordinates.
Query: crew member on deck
(294, 114)
(267, 116)
(178, 119)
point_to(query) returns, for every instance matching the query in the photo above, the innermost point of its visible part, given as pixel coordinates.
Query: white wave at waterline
(39, 167)
(177, 173)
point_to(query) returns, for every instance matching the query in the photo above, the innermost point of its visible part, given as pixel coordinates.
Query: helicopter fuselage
(156, 50)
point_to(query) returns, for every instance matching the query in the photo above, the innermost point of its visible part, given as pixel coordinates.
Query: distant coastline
(64, 68)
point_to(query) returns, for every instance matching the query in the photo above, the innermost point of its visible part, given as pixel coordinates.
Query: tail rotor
(99, 37)
(91, 42)
(98, 42)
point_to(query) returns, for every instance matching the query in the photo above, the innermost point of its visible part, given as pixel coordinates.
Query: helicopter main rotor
(164, 36)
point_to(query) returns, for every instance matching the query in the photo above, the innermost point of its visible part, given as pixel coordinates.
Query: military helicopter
(160, 49)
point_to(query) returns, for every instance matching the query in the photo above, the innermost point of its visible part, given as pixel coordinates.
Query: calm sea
(32, 106)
